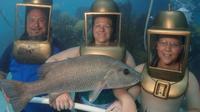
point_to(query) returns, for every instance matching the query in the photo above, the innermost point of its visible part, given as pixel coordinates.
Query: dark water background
(67, 24)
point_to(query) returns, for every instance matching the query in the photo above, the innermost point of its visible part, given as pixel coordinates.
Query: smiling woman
(168, 51)
(102, 30)
(166, 81)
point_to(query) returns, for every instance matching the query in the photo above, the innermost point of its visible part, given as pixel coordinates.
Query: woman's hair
(178, 37)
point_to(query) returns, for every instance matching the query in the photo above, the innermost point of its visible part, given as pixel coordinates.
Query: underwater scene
(66, 26)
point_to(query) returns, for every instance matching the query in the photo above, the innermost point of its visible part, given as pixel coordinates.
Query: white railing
(78, 106)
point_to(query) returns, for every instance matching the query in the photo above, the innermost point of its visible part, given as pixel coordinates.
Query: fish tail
(15, 93)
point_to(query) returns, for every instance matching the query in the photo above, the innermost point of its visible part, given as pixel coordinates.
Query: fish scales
(82, 73)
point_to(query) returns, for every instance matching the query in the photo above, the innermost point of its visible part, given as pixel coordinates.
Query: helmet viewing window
(168, 44)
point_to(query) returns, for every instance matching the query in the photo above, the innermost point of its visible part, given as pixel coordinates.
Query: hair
(178, 37)
(45, 10)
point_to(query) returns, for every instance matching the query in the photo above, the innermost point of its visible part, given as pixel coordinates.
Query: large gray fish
(84, 73)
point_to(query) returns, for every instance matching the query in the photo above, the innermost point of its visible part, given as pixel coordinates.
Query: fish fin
(46, 67)
(94, 94)
(14, 93)
(100, 86)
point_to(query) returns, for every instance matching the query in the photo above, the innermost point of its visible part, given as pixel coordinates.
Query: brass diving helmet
(32, 31)
(168, 24)
(105, 8)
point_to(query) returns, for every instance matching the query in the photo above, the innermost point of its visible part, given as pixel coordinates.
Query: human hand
(126, 100)
(61, 101)
(115, 107)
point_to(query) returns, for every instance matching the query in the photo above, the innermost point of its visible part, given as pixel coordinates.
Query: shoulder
(7, 51)
(191, 75)
(5, 58)
(192, 94)
(193, 84)
(192, 79)
(69, 53)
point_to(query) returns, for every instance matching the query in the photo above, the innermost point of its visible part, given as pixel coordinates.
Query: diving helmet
(109, 11)
(169, 32)
(32, 31)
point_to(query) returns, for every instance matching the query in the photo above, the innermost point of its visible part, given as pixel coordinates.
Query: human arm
(125, 102)
(135, 90)
(5, 59)
(193, 94)
(62, 100)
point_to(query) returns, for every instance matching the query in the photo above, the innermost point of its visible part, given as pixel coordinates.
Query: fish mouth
(135, 82)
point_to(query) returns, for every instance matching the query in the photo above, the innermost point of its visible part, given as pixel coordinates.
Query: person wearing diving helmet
(102, 37)
(166, 81)
(33, 47)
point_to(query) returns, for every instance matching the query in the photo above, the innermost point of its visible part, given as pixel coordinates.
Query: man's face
(168, 50)
(36, 23)
(102, 30)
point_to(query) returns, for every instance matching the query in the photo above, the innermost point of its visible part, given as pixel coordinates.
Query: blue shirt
(28, 73)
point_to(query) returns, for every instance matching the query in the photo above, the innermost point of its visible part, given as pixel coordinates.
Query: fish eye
(126, 72)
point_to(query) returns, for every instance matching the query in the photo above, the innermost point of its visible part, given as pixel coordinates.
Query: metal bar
(44, 100)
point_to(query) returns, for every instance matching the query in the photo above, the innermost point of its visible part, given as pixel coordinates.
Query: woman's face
(102, 30)
(168, 49)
